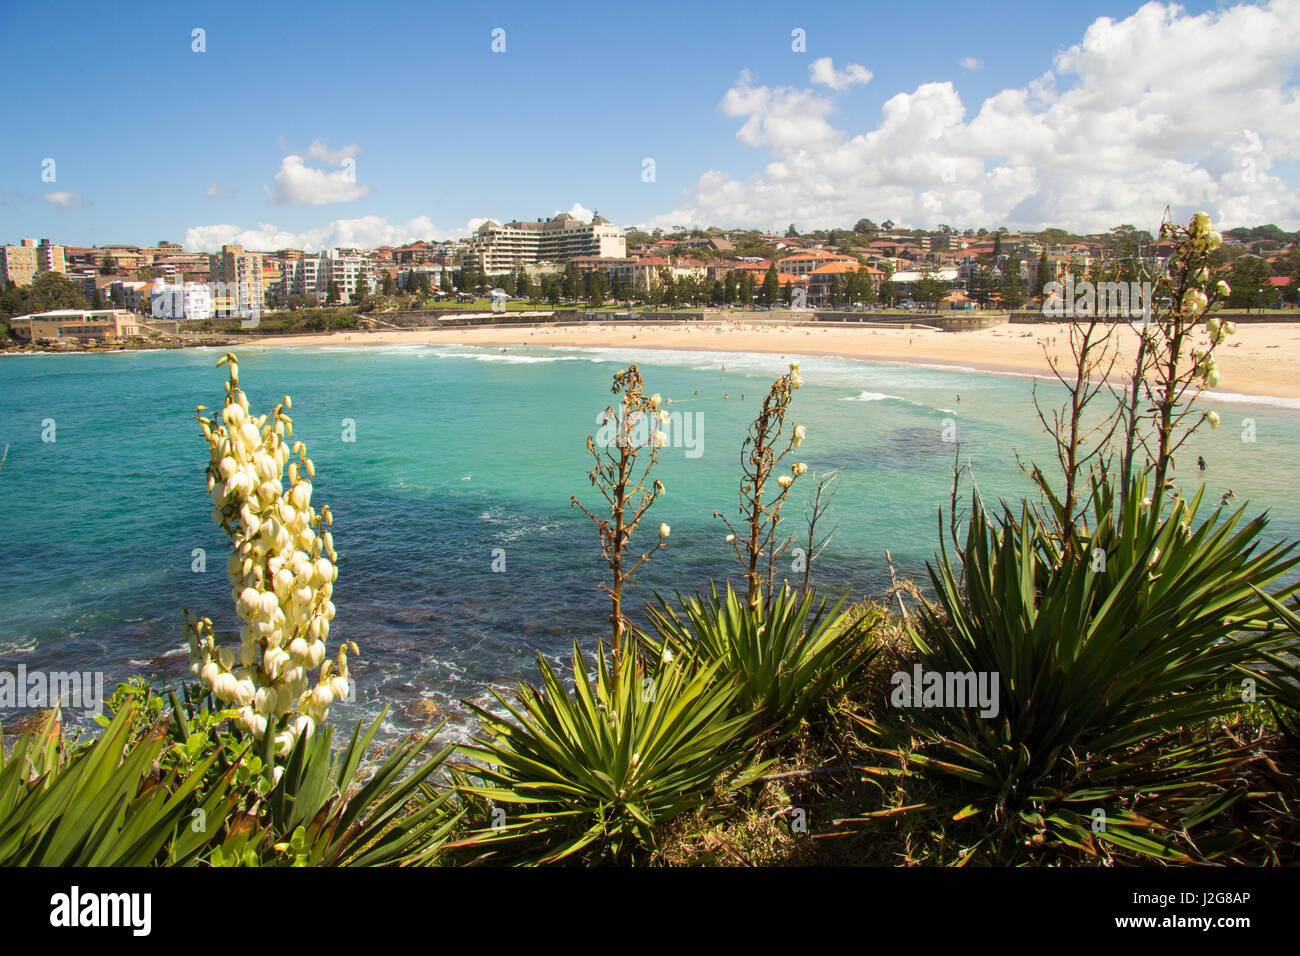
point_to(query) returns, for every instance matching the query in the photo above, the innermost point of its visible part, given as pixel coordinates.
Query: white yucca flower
(281, 570)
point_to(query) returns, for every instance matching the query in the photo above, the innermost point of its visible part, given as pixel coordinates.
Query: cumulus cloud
(578, 211)
(1150, 111)
(783, 118)
(63, 199)
(364, 232)
(320, 149)
(296, 183)
(823, 71)
(971, 63)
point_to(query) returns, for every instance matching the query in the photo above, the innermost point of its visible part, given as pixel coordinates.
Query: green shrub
(1281, 678)
(785, 660)
(321, 812)
(101, 804)
(599, 769)
(1102, 667)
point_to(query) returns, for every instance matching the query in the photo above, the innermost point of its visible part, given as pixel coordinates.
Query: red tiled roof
(837, 268)
(814, 254)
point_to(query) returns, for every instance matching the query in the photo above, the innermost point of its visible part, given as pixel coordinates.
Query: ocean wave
(882, 397)
(872, 397)
(1273, 401)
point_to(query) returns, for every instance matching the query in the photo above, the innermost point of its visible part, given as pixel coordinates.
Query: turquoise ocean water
(459, 451)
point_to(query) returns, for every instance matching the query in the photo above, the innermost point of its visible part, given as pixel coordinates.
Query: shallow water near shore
(461, 451)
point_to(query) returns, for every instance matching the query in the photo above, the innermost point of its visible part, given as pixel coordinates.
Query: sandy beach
(1261, 359)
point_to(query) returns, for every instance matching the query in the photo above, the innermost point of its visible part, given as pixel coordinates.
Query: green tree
(363, 288)
(1012, 289)
(332, 293)
(669, 285)
(886, 290)
(572, 281)
(1043, 276)
(771, 286)
(729, 288)
(551, 289)
(595, 288)
(107, 266)
(865, 227)
(746, 291)
(930, 288)
(983, 283)
(1250, 283)
(48, 291)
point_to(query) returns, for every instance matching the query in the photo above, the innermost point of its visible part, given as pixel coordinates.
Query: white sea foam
(882, 397)
(872, 397)
(1272, 401)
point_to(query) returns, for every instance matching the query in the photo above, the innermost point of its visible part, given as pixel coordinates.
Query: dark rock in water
(39, 723)
(421, 711)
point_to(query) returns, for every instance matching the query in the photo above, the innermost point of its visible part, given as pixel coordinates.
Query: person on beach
(1200, 462)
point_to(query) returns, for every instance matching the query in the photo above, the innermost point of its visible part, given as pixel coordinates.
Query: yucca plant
(1102, 664)
(785, 660)
(320, 812)
(1281, 676)
(596, 771)
(101, 804)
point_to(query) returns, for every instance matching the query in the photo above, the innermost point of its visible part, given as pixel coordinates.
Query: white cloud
(364, 232)
(578, 211)
(63, 200)
(971, 63)
(823, 71)
(297, 183)
(320, 149)
(1144, 112)
(780, 118)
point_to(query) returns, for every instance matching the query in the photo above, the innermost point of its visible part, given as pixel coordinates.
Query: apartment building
(182, 302)
(802, 263)
(822, 279)
(18, 263)
(311, 275)
(132, 296)
(240, 276)
(22, 263)
(495, 248)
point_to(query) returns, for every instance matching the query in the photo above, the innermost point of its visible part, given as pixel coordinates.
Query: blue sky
(154, 141)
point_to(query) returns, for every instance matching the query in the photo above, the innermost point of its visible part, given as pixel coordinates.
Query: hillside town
(125, 291)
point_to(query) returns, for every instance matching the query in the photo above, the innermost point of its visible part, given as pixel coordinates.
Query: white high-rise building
(310, 276)
(189, 301)
(496, 248)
